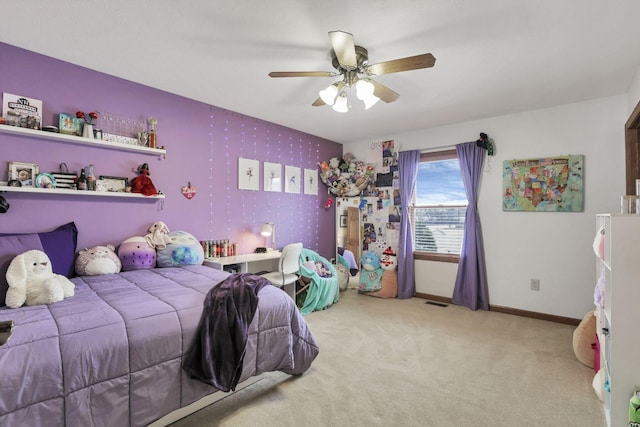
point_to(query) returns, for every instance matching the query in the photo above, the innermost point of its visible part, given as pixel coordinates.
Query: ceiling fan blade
(426, 60)
(383, 92)
(344, 47)
(318, 102)
(301, 74)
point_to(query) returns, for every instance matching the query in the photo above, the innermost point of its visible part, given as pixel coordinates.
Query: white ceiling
(493, 57)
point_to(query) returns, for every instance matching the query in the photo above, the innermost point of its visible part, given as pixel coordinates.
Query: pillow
(97, 261)
(184, 249)
(135, 253)
(59, 245)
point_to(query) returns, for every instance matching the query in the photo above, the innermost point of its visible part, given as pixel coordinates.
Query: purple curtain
(471, 281)
(407, 169)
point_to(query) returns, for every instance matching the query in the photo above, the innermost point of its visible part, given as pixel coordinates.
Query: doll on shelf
(142, 183)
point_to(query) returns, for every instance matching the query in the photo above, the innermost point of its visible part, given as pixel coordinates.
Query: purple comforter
(112, 354)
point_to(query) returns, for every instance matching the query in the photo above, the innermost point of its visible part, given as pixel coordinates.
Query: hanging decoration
(189, 191)
(346, 176)
(329, 201)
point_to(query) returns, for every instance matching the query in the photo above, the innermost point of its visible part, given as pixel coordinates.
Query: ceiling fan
(352, 63)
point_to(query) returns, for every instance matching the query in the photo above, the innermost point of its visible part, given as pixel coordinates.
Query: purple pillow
(59, 245)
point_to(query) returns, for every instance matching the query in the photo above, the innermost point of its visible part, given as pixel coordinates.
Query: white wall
(633, 94)
(552, 247)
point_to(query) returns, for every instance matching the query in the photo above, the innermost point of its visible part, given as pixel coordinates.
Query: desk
(248, 263)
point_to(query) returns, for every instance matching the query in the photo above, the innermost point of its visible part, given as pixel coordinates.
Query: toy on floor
(32, 281)
(389, 280)
(371, 272)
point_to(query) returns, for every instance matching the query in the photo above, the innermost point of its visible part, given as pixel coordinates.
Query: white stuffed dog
(32, 281)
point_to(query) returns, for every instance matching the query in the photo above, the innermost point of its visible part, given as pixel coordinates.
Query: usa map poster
(548, 184)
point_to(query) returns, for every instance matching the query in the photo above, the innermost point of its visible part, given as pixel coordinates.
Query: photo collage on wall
(381, 205)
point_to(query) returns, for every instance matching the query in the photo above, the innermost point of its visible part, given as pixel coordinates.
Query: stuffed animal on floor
(389, 280)
(98, 260)
(184, 249)
(371, 272)
(32, 281)
(136, 254)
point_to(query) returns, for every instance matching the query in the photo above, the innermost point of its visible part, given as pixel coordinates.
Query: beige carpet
(407, 363)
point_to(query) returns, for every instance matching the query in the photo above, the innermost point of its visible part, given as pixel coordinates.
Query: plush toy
(389, 280)
(98, 260)
(142, 183)
(158, 236)
(136, 254)
(32, 281)
(184, 249)
(371, 272)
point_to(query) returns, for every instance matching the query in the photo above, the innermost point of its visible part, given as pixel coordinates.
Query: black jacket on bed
(216, 353)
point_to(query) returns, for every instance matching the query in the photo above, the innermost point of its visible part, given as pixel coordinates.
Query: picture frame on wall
(343, 221)
(248, 174)
(25, 173)
(311, 182)
(272, 177)
(292, 179)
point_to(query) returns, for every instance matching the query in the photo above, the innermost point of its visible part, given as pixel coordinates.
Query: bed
(112, 354)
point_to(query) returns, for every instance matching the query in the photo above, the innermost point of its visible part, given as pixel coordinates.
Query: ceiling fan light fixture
(329, 94)
(342, 103)
(364, 89)
(370, 101)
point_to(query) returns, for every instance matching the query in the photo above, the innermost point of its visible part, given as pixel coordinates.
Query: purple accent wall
(203, 144)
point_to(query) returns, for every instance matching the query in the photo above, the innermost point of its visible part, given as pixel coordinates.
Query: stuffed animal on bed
(98, 260)
(32, 281)
(184, 249)
(135, 253)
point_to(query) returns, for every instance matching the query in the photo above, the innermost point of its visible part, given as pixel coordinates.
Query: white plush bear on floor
(32, 281)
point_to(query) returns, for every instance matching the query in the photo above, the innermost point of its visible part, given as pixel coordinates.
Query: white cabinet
(619, 320)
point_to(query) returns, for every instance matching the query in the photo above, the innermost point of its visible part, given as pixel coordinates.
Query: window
(439, 207)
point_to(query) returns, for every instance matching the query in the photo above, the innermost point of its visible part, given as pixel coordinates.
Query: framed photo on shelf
(69, 125)
(25, 173)
(114, 184)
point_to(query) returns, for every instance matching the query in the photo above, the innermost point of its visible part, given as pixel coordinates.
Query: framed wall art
(311, 182)
(292, 179)
(272, 176)
(545, 184)
(25, 173)
(248, 174)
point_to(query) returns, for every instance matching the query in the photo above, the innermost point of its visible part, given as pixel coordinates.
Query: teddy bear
(98, 260)
(32, 281)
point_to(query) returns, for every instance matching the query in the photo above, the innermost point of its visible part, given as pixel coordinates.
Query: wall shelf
(60, 191)
(72, 139)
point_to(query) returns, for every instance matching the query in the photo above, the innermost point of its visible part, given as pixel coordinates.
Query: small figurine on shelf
(142, 183)
(152, 132)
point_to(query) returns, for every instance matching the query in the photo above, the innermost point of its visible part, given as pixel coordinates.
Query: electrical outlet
(535, 284)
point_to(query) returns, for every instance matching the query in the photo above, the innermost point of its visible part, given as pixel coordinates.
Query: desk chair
(288, 266)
